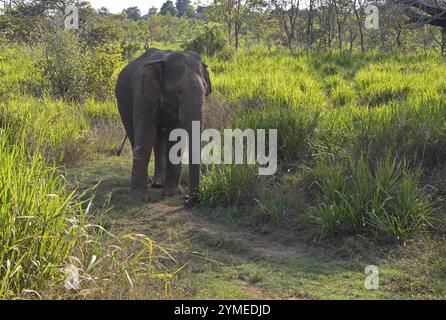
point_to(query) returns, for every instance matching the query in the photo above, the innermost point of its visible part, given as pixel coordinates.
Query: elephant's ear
(207, 79)
(153, 83)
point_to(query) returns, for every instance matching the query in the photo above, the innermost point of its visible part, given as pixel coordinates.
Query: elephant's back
(126, 74)
(123, 87)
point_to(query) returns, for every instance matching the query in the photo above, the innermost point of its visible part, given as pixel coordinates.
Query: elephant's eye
(180, 90)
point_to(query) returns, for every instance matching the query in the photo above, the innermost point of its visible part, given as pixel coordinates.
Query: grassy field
(361, 181)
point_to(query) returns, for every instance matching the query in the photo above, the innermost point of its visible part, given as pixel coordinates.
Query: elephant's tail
(118, 153)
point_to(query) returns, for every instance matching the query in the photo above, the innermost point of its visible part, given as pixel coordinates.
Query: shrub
(383, 200)
(226, 53)
(130, 49)
(101, 68)
(74, 71)
(209, 40)
(64, 66)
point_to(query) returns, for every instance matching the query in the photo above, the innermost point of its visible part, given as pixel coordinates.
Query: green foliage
(64, 124)
(74, 71)
(382, 200)
(46, 228)
(107, 29)
(63, 66)
(168, 8)
(36, 209)
(228, 185)
(17, 72)
(131, 49)
(318, 102)
(210, 40)
(101, 68)
(132, 13)
(169, 29)
(295, 128)
(46, 225)
(18, 28)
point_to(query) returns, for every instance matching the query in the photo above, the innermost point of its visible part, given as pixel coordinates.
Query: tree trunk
(443, 40)
(361, 31)
(340, 36)
(398, 38)
(236, 33)
(310, 24)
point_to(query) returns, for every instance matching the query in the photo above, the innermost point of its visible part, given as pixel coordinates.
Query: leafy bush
(226, 53)
(74, 71)
(63, 66)
(130, 49)
(101, 69)
(210, 40)
(383, 200)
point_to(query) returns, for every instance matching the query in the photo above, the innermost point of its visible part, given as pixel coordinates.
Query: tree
(168, 8)
(310, 24)
(233, 14)
(201, 9)
(29, 20)
(38, 7)
(286, 12)
(358, 8)
(426, 12)
(103, 11)
(152, 11)
(133, 13)
(431, 12)
(342, 13)
(182, 6)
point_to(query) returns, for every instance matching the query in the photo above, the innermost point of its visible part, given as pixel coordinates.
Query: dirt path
(226, 258)
(226, 243)
(260, 246)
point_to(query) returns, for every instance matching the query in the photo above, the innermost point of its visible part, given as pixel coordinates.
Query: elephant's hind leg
(127, 121)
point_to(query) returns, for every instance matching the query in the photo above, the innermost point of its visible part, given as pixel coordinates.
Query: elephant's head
(177, 83)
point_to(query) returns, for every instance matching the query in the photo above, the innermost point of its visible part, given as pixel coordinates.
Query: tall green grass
(352, 106)
(229, 185)
(35, 210)
(381, 114)
(295, 128)
(382, 199)
(45, 227)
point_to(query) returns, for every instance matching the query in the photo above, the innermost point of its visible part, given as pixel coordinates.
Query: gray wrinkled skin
(160, 91)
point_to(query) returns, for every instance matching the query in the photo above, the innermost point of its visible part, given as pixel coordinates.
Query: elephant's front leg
(172, 175)
(145, 136)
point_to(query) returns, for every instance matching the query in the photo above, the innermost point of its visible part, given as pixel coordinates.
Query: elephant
(158, 92)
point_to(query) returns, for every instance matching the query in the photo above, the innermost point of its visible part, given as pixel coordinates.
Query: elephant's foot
(170, 192)
(139, 195)
(157, 182)
(190, 200)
